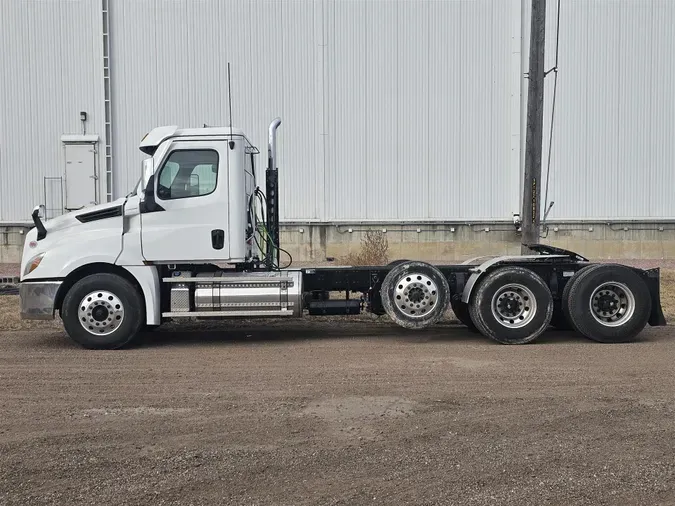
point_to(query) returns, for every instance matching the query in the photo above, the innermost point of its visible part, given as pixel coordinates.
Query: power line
(555, 89)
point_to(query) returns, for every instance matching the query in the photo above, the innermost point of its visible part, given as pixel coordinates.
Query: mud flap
(652, 278)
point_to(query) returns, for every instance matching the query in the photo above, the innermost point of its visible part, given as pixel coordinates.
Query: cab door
(184, 216)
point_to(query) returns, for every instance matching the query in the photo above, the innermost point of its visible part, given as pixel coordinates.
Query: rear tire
(558, 320)
(102, 312)
(609, 303)
(561, 319)
(394, 263)
(511, 305)
(415, 294)
(564, 299)
(461, 310)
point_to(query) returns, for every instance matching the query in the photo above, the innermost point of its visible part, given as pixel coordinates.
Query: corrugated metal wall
(423, 110)
(170, 67)
(51, 64)
(392, 109)
(614, 128)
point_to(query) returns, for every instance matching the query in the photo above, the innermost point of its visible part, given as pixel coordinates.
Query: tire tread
(566, 292)
(477, 304)
(387, 290)
(124, 289)
(583, 320)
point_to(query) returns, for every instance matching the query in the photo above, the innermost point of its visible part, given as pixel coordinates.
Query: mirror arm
(41, 230)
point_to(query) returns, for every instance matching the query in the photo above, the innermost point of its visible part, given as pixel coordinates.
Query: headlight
(33, 263)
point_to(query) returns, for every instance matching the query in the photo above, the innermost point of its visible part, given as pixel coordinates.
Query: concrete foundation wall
(455, 243)
(445, 243)
(11, 243)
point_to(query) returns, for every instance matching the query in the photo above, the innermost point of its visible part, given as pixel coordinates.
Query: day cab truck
(198, 238)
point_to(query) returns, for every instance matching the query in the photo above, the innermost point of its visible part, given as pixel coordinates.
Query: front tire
(512, 305)
(102, 311)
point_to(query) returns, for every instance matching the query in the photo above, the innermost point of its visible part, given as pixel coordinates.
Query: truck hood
(89, 235)
(85, 215)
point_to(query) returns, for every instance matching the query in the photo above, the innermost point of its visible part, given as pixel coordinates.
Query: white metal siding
(614, 129)
(169, 66)
(391, 109)
(51, 62)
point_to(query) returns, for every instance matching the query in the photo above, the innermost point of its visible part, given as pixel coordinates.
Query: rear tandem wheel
(561, 319)
(608, 303)
(511, 305)
(461, 310)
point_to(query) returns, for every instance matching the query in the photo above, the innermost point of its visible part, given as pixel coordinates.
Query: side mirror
(148, 169)
(40, 211)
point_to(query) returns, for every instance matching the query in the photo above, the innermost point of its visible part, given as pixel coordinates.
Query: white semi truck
(197, 238)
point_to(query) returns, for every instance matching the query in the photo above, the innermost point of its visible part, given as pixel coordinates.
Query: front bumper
(37, 299)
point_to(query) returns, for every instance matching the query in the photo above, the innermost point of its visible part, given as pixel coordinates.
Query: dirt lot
(332, 412)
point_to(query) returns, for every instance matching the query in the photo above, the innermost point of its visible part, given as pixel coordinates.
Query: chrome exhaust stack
(271, 191)
(272, 144)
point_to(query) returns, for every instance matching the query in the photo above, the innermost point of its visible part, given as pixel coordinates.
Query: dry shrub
(374, 250)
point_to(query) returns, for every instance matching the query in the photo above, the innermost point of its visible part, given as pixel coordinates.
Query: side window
(188, 173)
(168, 174)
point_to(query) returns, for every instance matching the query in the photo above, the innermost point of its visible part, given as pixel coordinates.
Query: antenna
(229, 91)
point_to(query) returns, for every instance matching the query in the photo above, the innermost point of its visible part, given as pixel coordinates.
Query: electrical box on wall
(81, 171)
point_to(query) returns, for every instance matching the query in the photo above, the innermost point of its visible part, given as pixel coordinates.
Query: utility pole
(531, 215)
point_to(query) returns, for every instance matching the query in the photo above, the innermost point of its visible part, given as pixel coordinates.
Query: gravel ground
(334, 412)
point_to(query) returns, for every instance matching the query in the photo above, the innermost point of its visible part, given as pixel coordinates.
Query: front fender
(72, 250)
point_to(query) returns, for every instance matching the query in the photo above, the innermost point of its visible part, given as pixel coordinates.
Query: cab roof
(157, 135)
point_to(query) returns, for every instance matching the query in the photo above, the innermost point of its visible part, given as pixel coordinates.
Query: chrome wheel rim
(416, 295)
(612, 304)
(100, 312)
(514, 305)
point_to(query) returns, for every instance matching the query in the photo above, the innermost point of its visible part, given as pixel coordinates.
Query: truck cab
(193, 205)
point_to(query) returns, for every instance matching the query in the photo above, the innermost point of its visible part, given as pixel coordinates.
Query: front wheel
(102, 311)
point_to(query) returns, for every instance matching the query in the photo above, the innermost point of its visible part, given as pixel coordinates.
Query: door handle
(217, 238)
